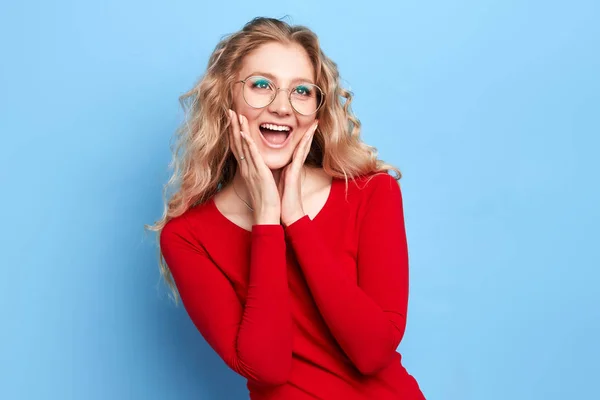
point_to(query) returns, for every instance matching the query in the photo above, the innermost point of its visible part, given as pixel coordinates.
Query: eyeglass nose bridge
(289, 94)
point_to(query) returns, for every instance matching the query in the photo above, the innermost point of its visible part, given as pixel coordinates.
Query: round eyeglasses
(306, 98)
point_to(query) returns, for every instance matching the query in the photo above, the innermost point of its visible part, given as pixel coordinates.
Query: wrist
(267, 219)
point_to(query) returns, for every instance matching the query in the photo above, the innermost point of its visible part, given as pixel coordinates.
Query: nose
(281, 104)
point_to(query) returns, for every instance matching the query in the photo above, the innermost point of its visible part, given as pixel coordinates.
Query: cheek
(239, 105)
(250, 113)
(306, 124)
(242, 108)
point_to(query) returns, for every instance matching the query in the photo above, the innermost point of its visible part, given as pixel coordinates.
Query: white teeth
(275, 127)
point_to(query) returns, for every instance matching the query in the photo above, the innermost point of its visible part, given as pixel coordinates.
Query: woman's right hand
(264, 195)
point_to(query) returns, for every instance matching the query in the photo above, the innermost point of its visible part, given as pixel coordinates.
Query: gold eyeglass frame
(277, 89)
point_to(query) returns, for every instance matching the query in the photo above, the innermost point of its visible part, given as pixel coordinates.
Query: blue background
(490, 109)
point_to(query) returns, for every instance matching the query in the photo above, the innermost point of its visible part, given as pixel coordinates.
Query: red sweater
(312, 311)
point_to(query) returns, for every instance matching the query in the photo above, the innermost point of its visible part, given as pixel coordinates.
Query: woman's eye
(261, 84)
(303, 90)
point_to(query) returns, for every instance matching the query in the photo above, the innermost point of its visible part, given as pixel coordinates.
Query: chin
(277, 161)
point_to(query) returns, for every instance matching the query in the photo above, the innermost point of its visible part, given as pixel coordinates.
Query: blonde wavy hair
(202, 161)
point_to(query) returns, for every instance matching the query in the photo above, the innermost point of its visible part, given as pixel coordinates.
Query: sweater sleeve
(255, 339)
(367, 318)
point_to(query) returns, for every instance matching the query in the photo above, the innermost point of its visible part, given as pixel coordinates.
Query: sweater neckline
(320, 214)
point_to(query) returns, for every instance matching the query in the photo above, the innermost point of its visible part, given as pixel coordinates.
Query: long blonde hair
(202, 162)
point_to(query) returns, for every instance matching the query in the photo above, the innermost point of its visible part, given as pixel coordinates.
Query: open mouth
(275, 136)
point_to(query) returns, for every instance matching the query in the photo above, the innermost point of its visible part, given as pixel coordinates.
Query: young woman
(285, 237)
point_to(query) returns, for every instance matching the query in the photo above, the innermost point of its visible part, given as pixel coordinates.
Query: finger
(235, 142)
(246, 137)
(253, 151)
(309, 141)
(303, 148)
(230, 135)
(246, 152)
(295, 165)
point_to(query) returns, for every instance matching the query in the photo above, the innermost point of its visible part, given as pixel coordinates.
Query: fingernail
(241, 120)
(242, 134)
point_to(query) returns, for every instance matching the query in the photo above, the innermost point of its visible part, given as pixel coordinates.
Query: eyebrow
(272, 77)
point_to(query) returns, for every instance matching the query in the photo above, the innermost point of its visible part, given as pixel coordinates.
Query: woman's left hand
(290, 183)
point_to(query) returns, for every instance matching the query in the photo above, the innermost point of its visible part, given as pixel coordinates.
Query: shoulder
(374, 185)
(379, 203)
(176, 230)
(376, 194)
(185, 227)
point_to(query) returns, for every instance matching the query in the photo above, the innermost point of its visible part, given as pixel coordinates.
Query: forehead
(285, 62)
